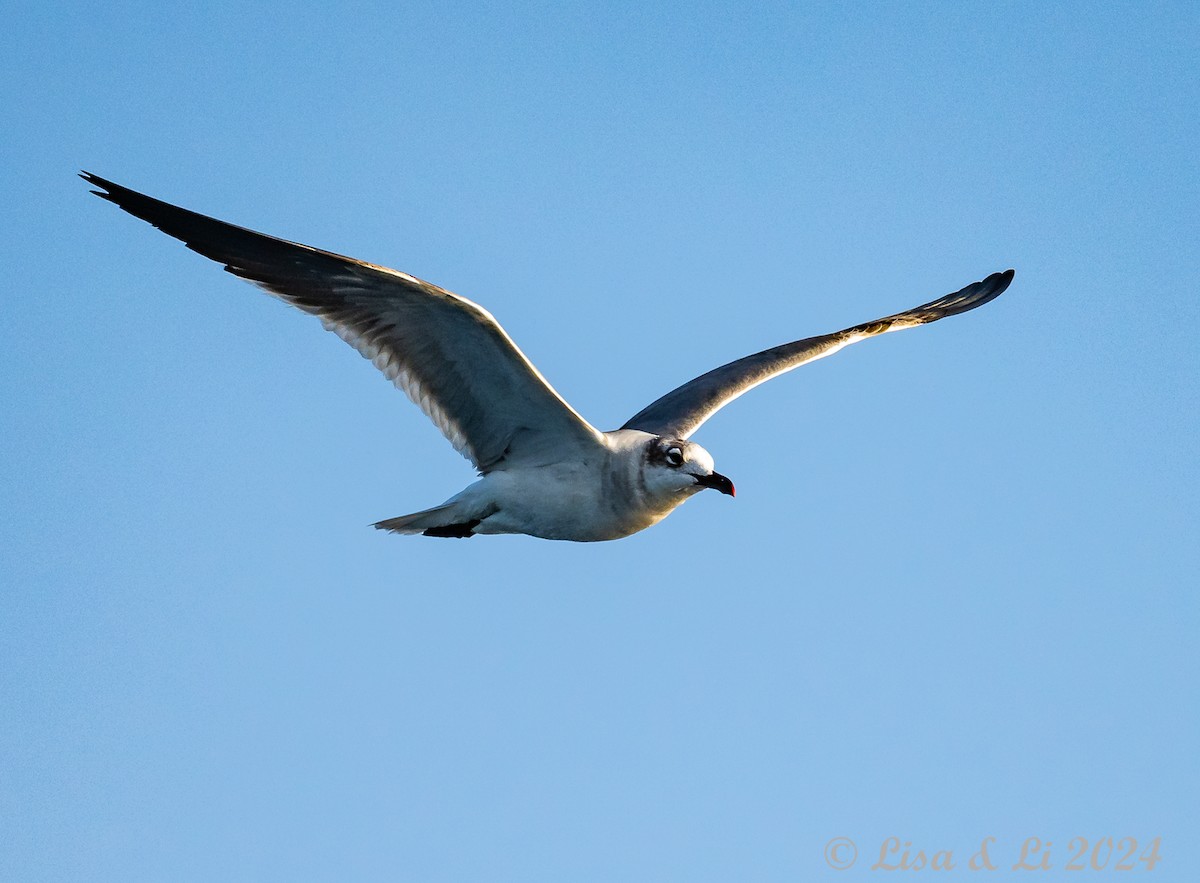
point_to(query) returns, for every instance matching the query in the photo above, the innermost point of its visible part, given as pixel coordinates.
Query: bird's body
(545, 471)
(601, 496)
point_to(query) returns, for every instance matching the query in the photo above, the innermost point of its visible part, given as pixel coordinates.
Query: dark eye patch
(668, 452)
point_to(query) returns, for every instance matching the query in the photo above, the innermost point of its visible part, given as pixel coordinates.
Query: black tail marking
(456, 531)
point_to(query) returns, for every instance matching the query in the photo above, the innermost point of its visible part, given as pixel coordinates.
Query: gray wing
(680, 412)
(448, 354)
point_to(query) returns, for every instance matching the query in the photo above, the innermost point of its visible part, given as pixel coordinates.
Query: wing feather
(449, 355)
(681, 412)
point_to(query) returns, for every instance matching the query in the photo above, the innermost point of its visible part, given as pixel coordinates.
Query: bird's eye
(674, 457)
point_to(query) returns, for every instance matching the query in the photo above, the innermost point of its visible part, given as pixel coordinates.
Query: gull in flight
(544, 470)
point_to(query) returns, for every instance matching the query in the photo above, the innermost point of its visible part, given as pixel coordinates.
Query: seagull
(543, 469)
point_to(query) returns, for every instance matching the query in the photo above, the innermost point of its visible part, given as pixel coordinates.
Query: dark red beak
(717, 482)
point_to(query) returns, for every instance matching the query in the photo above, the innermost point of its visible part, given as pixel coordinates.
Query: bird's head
(680, 468)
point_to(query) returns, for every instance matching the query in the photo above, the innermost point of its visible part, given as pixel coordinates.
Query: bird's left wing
(448, 354)
(680, 412)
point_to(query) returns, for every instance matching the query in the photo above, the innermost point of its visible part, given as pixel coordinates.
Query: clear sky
(955, 597)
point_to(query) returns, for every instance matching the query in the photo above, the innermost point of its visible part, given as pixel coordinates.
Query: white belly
(560, 502)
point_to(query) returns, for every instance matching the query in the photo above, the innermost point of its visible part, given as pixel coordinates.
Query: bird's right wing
(680, 412)
(448, 354)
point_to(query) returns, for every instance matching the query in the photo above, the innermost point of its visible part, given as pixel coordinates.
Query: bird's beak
(717, 482)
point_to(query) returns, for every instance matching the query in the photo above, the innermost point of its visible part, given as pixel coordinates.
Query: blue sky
(954, 599)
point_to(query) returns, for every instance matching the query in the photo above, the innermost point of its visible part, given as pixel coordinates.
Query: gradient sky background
(954, 598)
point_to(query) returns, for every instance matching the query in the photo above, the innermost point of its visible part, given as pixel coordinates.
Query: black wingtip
(984, 291)
(990, 288)
(107, 187)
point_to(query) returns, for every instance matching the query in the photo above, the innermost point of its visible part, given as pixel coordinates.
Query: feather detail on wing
(449, 355)
(681, 412)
